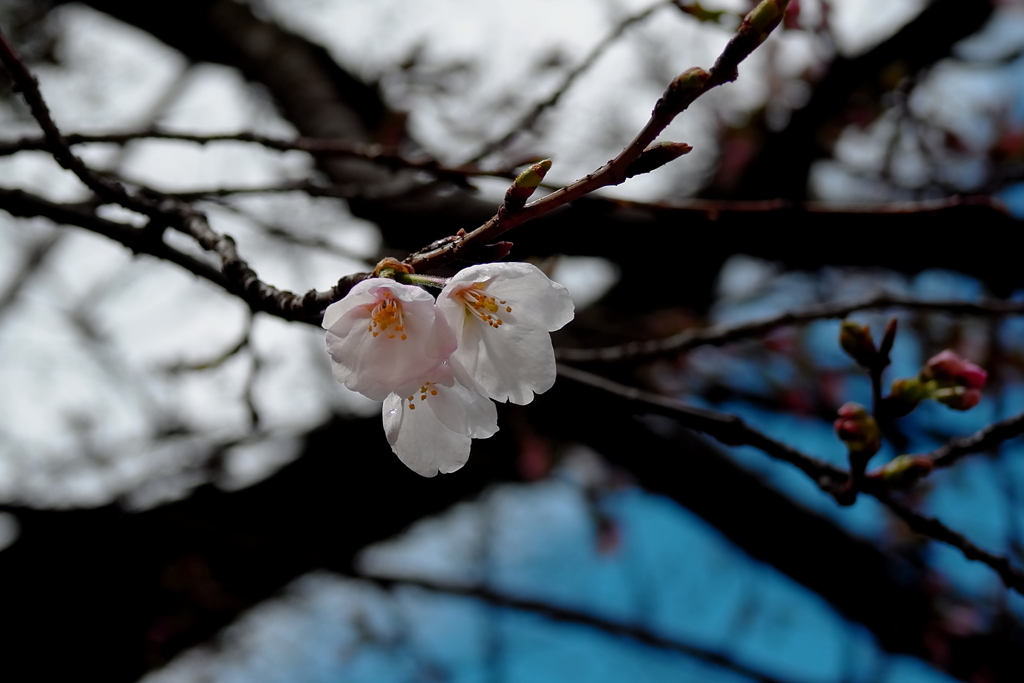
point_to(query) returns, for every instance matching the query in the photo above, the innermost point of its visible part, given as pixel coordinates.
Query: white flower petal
(420, 440)
(376, 361)
(536, 300)
(463, 411)
(502, 313)
(510, 363)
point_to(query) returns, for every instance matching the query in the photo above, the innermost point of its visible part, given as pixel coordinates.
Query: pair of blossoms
(437, 365)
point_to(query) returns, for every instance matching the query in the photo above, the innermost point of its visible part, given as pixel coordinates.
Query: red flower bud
(858, 430)
(954, 381)
(949, 369)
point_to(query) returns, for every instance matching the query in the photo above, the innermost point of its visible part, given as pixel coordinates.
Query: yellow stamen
(385, 313)
(480, 304)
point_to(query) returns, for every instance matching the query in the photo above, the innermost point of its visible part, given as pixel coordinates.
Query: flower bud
(903, 471)
(904, 396)
(857, 342)
(954, 381)
(525, 184)
(949, 369)
(958, 398)
(858, 430)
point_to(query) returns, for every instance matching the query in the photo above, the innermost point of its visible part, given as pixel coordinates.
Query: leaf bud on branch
(686, 87)
(857, 342)
(904, 471)
(763, 19)
(700, 13)
(524, 185)
(656, 156)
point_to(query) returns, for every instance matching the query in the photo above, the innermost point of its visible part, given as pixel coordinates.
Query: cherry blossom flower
(385, 337)
(431, 430)
(501, 314)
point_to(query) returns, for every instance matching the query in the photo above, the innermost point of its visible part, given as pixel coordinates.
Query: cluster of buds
(858, 430)
(858, 343)
(959, 382)
(947, 378)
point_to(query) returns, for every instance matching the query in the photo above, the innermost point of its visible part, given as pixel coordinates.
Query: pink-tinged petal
(377, 351)
(532, 296)
(420, 440)
(502, 313)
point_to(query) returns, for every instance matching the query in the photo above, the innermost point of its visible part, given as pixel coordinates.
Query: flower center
(387, 312)
(481, 305)
(427, 388)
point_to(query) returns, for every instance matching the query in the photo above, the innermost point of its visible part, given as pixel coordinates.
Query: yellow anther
(433, 392)
(385, 313)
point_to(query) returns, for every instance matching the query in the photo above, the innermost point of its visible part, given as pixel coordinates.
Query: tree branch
(982, 440)
(727, 333)
(378, 154)
(733, 431)
(569, 616)
(527, 122)
(677, 98)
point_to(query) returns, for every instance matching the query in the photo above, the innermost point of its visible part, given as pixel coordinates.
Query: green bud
(766, 16)
(903, 471)
(525, 184)
(857, 342)
(689, 80)
(533, 176)
(656, 156)
(700, 13)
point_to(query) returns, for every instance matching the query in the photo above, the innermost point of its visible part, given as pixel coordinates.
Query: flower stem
(415, 279)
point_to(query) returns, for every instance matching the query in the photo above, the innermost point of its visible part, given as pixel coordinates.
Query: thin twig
(235, 274)
(570, 616)
(727, 333)
(982, 440)
(386, 156)
(34, 257)
(728, 429)
(677, 97)
(527, 122)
